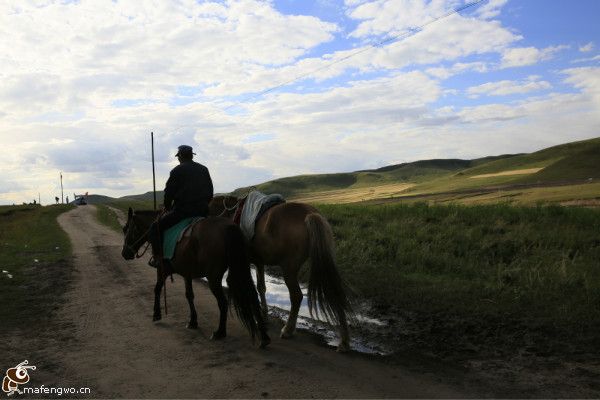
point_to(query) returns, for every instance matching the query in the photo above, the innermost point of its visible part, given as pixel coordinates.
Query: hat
(184, 149)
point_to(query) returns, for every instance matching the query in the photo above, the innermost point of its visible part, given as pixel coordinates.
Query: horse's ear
(130, 213)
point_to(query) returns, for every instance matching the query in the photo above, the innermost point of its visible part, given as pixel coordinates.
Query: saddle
(252, 208)
(174, 234)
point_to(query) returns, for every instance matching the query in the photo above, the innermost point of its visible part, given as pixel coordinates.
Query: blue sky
(84, 83)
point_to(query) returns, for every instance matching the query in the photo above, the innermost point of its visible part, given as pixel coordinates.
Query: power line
(380, 43)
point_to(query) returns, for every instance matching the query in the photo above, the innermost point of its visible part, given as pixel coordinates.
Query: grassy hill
(99, 199)
(579, 163)
(413, 172)
(571, 163)
(511, 177)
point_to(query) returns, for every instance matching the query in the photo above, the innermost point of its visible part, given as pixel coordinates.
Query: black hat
(184, 150)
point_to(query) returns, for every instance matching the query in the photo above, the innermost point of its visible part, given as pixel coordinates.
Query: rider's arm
(170, 190)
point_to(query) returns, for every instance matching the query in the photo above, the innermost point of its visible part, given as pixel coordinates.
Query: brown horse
(288, 235)
(214, 245)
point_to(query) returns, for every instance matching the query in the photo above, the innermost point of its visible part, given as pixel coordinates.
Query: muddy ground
(97, 332)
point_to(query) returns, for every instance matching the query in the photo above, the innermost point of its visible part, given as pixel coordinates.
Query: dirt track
(104, 339)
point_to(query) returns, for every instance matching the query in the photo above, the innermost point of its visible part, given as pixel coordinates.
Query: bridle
(144, 237)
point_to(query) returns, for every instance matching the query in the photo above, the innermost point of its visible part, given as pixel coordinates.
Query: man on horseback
(188, 191)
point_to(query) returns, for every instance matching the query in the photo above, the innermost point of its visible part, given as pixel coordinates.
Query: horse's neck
(146, 219)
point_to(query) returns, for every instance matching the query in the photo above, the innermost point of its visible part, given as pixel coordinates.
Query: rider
(188, 191)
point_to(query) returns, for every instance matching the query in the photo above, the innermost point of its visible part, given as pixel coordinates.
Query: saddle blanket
(255, 205)
(173, 235)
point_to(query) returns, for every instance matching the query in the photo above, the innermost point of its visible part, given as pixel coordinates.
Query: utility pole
(153, 173)
(62, 197)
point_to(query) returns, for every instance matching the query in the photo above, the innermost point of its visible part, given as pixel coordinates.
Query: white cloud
(491, 8)
(587, 47)
(589, 59)
(151, 49)
(507, 87)
(523, 56)
(85, 82)
(457, 68)
(392, 17)
(587, 79)
(445, 43)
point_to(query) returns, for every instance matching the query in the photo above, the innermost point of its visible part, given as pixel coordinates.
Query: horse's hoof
(156, 318)
(265, 341)
(192, 325)
(285, 334)
(343, 348)
(217, 336)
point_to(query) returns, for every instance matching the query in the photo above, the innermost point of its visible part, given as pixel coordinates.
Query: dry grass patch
(353, 195)
(508, 173)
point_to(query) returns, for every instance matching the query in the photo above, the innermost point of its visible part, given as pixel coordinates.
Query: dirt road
(103, 338)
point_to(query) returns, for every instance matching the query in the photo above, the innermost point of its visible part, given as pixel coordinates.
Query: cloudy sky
(266, 89)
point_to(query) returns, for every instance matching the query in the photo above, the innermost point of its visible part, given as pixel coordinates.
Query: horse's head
(136, 232)
(223, 206)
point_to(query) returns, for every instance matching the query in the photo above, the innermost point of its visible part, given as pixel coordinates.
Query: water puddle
(279, 305)
(278, 299)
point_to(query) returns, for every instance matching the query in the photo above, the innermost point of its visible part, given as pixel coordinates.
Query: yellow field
(585, 195)
(354, 195)
(507, 173)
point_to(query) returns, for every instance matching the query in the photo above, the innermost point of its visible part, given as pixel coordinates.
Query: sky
(268, 89)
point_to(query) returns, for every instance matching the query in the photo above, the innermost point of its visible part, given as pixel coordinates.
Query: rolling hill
(511, 175)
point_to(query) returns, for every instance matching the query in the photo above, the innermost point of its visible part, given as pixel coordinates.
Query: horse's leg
(262, 289)
(189, 295)
(344, 345)
(217, 290)
(160, 281)
(290, 276)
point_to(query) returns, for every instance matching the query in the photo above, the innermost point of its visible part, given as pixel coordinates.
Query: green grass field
(107, 217)
(495, 265)
(31, 244)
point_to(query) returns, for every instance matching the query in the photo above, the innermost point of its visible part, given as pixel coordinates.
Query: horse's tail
(327, 292)
(242, 292)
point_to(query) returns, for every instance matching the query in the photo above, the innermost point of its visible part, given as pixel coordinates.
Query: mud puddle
(364, 331)
(361, 330)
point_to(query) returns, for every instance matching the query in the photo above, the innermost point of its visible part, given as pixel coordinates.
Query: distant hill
(581, 161)
(148, 196)
(418, 171)
(99, 199)
(570, 162)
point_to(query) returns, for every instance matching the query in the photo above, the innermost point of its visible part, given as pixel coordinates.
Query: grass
(353, 195)
(106, 216)
(31, 245)
(540, 265)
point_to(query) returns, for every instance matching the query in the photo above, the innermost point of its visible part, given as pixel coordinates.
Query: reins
(237, 203)
(227, 209)
(144, 237)
(138, 255)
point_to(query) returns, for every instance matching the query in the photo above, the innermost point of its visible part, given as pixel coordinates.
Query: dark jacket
(189, 189)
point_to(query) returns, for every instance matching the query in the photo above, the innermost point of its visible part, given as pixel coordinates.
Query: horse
(213, 246)
(287, 235)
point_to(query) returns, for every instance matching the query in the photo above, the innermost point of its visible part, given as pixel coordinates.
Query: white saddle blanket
(252, 206)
